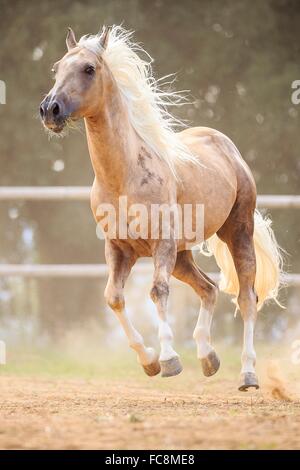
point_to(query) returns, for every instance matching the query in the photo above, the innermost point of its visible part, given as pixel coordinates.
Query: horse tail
(269, 262)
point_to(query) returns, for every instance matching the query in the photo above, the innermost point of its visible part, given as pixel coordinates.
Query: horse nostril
(55, 109)
(51, 111)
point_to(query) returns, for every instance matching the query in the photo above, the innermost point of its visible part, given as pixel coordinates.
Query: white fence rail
(82, 193)
(45, 193)
(40, 271)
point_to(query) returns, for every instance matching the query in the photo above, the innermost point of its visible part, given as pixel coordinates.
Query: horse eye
(89, 70)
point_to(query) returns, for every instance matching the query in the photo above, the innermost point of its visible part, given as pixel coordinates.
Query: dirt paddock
(132, 411)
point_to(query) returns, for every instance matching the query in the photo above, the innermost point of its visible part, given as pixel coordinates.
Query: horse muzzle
(53, 114)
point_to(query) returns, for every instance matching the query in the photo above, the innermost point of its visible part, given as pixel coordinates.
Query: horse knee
(116, 302)
(159, 291)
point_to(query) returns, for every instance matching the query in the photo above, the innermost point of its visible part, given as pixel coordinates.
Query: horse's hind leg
(237, 232)
(187, 271)
(120, 263)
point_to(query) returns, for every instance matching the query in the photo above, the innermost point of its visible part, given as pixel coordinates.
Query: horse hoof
(210, 364)
(170, 367)
(152, 369)
(248, 380)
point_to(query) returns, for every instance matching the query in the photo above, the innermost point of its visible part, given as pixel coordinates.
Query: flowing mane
(145, 96)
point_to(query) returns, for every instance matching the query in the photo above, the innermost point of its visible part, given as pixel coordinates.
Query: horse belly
(212, 185)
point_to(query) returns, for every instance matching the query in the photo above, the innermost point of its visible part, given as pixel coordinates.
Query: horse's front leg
(164, 257)
(120, 263)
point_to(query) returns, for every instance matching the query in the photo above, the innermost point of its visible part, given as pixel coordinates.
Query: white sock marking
(166, 338)
(248, 354)
(145, 355)
(202, 333)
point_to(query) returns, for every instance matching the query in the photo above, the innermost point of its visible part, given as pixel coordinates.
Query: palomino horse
(136, 152)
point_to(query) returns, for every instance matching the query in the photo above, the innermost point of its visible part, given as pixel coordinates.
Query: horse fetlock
(249, 356)
(152, 356)
(201, 334)
(204, 349)
(167, 352)
(148, 358)
(165, 334)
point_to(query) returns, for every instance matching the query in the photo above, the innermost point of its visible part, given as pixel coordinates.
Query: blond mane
(146, 97)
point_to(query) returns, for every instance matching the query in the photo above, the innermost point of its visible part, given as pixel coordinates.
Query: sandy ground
(142, 413)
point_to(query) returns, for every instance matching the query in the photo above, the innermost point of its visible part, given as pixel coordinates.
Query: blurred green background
(237, 58)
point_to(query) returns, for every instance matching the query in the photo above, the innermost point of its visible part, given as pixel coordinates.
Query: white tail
(268, 262)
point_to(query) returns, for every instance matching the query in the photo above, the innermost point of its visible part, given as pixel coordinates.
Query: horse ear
(70, 39)
(104, 36)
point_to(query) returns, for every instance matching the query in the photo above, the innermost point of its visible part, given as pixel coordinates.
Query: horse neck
(111, 140)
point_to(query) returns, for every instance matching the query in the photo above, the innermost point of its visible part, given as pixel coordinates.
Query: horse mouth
(58, 129)
(55, 128)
